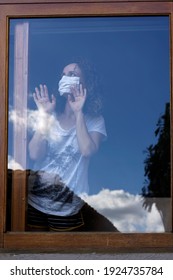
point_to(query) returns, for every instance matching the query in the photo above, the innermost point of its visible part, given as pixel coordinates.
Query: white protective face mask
(66, 82)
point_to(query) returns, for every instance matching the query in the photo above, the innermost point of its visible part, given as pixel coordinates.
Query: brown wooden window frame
(18, 239)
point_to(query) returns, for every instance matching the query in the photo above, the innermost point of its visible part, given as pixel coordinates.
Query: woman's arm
(38, 144)
(88, 142)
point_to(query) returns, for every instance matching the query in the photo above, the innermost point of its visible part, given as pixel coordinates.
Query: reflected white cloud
(17, 118)
(35, 120)
(126, 211)
(13, 165)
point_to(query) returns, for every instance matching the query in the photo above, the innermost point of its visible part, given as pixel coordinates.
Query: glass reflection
(68, 98)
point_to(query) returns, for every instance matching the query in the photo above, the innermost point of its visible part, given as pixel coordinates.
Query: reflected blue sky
(131, 55)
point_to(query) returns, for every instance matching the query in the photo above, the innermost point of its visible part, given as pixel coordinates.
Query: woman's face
(71, 76)
(73, 70)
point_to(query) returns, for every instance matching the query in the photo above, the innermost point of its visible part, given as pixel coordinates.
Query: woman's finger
(84, 93)
(37, 93)
(53, 99)
(45, 91)
(81, 92)
(42, 92)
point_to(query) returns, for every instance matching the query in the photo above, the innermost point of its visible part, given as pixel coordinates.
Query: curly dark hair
(93, 104)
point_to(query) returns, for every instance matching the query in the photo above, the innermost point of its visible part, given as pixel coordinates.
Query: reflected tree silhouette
(156, 187)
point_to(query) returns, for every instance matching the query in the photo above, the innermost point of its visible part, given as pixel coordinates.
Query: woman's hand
(77, 98)
(42, 100)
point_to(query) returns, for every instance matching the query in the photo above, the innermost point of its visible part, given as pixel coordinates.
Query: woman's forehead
(72, 67)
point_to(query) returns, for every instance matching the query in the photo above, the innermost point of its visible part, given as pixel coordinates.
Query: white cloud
(35, 120)
(126, 211)
(12, 164)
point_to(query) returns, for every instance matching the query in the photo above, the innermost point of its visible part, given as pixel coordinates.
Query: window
(134, 81)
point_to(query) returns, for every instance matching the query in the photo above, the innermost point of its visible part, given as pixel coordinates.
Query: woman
(61, 147)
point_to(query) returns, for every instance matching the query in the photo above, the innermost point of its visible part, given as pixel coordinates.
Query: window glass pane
(88, 130)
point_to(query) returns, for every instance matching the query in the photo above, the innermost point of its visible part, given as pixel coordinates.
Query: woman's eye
(71, 74)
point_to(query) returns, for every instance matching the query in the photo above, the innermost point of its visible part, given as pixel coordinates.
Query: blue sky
(131, 55)
(135, 99)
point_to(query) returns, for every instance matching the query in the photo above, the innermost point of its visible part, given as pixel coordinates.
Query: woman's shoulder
(95, 122)
(93, 119)
(93, 116)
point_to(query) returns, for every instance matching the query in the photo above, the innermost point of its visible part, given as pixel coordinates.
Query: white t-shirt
(62, 177)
